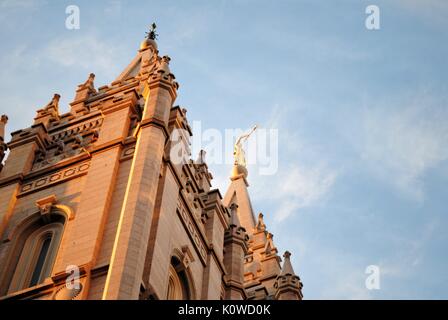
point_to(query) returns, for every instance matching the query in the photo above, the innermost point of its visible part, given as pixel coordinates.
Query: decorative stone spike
(260, 226)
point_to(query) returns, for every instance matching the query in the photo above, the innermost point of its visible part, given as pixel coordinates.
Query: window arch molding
(28, 241)
(57, 209)
(180, 284)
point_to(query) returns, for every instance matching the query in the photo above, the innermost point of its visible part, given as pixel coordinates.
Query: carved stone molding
(127, 153)
(54, 178)
(82, 128)
(187, 257)
(192, 231)
(46, 204)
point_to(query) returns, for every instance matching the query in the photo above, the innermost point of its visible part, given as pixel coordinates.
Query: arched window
(34, 251)
(178, 284)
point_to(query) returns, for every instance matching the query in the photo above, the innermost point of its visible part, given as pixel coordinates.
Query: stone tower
(93, 206)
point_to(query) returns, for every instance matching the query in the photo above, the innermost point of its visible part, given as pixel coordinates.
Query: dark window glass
(40, 262)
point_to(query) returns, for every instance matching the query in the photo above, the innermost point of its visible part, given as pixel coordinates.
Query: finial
(89, 81)
(201, 157)
(54, 103)
(152, 32)
(3, 121)
(260, 223)
(234, 221)
(4, 118)
(89, 84)
(287, 266)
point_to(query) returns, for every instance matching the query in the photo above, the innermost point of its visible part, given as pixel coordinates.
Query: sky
(361, 116)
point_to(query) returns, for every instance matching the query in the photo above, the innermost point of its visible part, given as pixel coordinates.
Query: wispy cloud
(299, 183)
(88, 52)
(299, 187)
(401, 144)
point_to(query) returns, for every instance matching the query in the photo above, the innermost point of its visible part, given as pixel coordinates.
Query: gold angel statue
(238, 151)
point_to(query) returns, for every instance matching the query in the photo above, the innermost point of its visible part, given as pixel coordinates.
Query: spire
(89, 84)
(234, 221)
(235, 249)
(269, 247)
(260, 223)
(50, 112)
(287, 266)
(144, 63)
(201, 157)
(288, 285)
(238, 194)
(3, 146)
(84, 91)
(3, 121)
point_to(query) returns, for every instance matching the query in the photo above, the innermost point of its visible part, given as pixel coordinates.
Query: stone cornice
(19, 178)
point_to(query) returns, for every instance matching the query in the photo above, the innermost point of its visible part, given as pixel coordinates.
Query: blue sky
(362, 116)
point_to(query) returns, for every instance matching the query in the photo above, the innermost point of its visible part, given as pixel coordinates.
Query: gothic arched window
(178, 284)
(34, 252)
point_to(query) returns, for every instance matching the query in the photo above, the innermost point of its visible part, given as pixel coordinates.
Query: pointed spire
(53, 104)
(235, 249)
(237, 193)
(83, 92)
(287, 266)
(89, 84)
(3, 145)
(234, 221)
(201, 157)
(50, 112)
(269, 247)
(3, 121)
(288, 285)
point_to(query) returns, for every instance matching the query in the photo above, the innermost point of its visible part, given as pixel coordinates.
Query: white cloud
(113, 8)
(401, 144)
(299, 187)
(88, 52)
(303, 179)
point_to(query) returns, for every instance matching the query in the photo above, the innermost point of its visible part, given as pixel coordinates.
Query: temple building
(92, 205)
